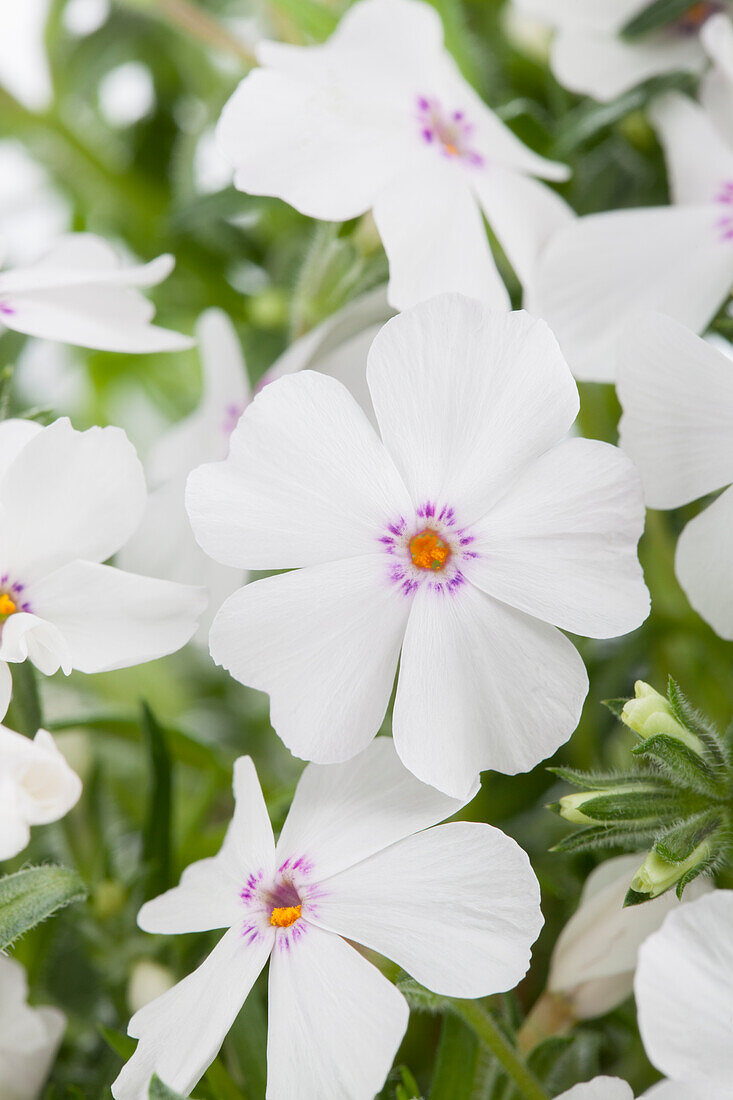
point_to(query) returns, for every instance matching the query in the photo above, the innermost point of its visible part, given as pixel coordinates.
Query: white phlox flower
(456, 544)
(688, 964)
(600, 1088)
(68, 501)
(29, 1037)
(380, 118)
(358, 862)
(605, 268)
(594, 957)
(677, 395)
(80, 293)
(37, 786)
(590, 54)
(716, 87)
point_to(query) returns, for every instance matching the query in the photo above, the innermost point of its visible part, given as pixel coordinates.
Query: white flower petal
(335, 1022)
(342, 813)
(307, 480)
(69, 495)
(466, 398)
(324, 643)
(314, 144)
(181, 1032)
(677, 395)
(601, 15)
(482, 686)
(30, 637)
(561, 543)
(457, 906)
(30, 1036)
(110, 619)
(81, 259)
(693, 951)
(698, 159)
(523, 213)
(672, 1090)
(604, 65)
(603, 269)
(704, 564)
(433, 234)
(600, 1088)
(6, 688)
(716, 86)
(48, 787)
(15, 832)
(208, 895)
(14, 434)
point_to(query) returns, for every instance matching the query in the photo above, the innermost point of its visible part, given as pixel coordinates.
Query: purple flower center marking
(448, 131)
(429, 550)
(724, 223)
(11, 599)
(5, 309)
(231, 417)
(282, 900)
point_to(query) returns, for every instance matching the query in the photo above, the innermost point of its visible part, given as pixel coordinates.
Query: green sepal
(660, 13)
(615, 705)
(31, 896)
(678, 843)
(601, 781)
(596, 837)
(697, 724)
(618, 806)
(683, 767)
(705, 866)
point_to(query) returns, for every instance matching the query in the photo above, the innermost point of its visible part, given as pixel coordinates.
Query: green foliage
(31, 896)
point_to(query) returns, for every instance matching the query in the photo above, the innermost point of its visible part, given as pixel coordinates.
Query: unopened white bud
(148, 980)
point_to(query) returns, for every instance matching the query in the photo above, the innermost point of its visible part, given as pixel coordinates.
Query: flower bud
(650, 713)
(569, 807)
(148, 980)
(657, 874)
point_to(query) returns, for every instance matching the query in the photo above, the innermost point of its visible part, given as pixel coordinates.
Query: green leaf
(27, 716)
(696, 723)
(679, 842)
(615, 705)
(615, 807)
(31, 896)
(456, 1062)
(684, 767)
(596, 837)
(157, 832)
(419, 998)
(312, 19)
(122, 1045)
(660, 13)
(601, 781)
(160, 1091)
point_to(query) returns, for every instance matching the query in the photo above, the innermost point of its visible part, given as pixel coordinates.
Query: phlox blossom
(29, 1037)
(358, 862)
(455, 544)
(80, 293)
(603, 269)
(380, 118)
(37, 786)
(68, 501)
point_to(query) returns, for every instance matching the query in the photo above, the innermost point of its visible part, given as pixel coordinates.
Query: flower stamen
(286, 916)
(428, 550)
(7, 606)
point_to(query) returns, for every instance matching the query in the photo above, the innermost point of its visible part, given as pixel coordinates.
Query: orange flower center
(428, 550)
(7, 606)
(284, 917)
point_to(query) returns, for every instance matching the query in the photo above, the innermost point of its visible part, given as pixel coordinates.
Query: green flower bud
(651, 713)
(656, 874)
(569, 807)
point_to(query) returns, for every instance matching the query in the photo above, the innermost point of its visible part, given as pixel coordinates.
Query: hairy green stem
(477, 1018)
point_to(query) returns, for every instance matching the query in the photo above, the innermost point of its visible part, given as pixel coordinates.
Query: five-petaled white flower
(591, 55)
(37, 786)
(677, 395)
(68, 500)
(456, 539)
(684, 998)
(603, 269)
(457, 906)
(29, 1037)
(80, 293)
(380, 118)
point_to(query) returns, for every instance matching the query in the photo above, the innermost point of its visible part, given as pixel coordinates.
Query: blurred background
(107, 110)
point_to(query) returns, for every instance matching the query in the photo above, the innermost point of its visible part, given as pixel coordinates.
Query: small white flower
(380, 118)
(590, 55)
(29, 1037)
(37, 786)
(457, 906)
(594, 959)
(600, 1088)
(684, 997)
(457, 538)
(80, 293)
(677, 395)
(603, 269)
(68, 501)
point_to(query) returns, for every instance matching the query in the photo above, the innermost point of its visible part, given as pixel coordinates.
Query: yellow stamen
(428, 550)
(7, 607)
(451, 150)
(283, 918)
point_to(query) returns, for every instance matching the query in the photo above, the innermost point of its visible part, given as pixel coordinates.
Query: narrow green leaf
(596, 837)
(31, 896)
(615, 705)
(122, 1045)
(677, 843)
(27, 715)
(660, 13)
(684, 767)
(160, 1091)
(157, 832)
(601, 781)
(456, 1062)
(696, 723)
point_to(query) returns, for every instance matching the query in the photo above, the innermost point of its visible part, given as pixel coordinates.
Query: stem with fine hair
(482, 1023)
